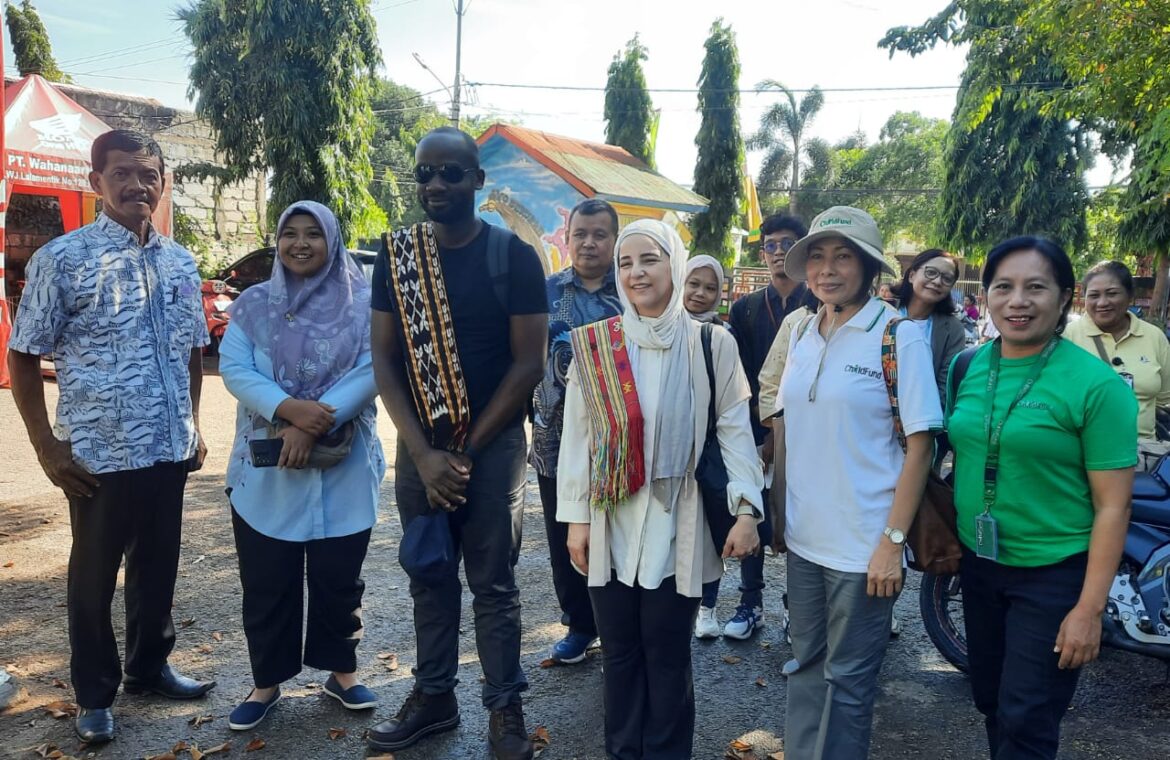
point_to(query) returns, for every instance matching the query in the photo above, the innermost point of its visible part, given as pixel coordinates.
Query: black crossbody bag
(711, 472)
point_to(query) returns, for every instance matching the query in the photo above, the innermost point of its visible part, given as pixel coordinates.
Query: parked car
(254, 268)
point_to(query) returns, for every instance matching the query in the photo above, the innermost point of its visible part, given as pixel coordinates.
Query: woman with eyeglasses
(1045, 443)
(924, 295)
(1136, 350)
(851, 489)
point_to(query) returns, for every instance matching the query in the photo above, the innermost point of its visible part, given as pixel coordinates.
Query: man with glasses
(755, 319)
(458, 334)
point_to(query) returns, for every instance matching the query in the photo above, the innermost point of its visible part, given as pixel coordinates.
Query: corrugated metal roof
(605, 170)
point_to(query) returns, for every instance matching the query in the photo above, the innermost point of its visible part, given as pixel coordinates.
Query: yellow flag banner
(753, 217)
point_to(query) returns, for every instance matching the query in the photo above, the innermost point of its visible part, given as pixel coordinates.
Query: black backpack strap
(497, 260)
(958, 372)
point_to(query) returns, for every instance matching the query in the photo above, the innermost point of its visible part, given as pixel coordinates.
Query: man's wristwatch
(897, 537)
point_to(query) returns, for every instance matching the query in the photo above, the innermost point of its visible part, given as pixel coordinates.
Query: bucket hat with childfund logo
(839, 221)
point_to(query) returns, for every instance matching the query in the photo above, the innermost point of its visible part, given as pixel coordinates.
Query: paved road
(924, 710)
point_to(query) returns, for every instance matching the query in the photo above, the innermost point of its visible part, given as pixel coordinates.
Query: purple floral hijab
(313, 330)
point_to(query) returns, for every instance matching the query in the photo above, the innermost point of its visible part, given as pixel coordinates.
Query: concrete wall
(232, 223)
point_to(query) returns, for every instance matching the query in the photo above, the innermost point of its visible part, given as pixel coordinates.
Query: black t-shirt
(480, 320)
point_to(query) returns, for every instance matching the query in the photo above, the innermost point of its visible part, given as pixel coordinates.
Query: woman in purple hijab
(306, 464)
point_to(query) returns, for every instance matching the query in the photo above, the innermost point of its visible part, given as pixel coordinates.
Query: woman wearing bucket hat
(636, 409)
(851, 489)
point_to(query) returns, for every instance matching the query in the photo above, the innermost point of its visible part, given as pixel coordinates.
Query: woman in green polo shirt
(1136, 350)
(1045, 444)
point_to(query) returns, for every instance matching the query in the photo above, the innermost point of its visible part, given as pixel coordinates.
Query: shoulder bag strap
(1100, 344)
(958, 372)
(890, 375)
(705, 340)
(497, 261)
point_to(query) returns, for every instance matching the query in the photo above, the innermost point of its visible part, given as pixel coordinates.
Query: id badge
(986, 537)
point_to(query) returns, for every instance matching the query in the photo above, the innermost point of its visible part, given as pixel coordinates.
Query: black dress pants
(273, 574)
(648, 685)
(571, 587)
(139, 514)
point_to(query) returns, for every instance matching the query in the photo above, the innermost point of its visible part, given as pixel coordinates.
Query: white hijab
(713, 264)
(668, 334)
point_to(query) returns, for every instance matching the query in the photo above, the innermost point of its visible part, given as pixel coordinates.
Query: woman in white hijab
(636, 411)
(703, 289)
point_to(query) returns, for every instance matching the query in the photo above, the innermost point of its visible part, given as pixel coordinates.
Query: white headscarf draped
(713, 264)
(666, 333)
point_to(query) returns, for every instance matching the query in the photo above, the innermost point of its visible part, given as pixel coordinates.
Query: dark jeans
(1013, 615)
(273, 574)
(570, 585)
(486, 531)
(138, 513)
(646, 650)
(751, 571)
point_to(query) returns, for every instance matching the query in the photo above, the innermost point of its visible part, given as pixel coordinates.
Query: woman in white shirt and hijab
(635, 423)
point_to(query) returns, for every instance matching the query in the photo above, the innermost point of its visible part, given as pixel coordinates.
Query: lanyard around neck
(995, 433)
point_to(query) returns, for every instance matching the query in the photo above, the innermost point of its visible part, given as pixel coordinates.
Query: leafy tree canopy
(30, 43)
(629, 112)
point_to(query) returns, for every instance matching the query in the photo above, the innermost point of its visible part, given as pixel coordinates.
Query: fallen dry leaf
(540, 740)
(218, 748)
(391, 663)
(195, 753)
(548, 663)
(61, 709)
(765, 645)
(336, 733)
(779, 755)
(204, 649)
(45, 749)
(59, 684)
(761, 682)
(740, 746)
(199, 559)
(56, 755)
(255, 745)
(179, 747)
(9, 564)
(199, 720)
(217, 635)
(163, 756)
(384, 655)
(187, 623)
(731, 659)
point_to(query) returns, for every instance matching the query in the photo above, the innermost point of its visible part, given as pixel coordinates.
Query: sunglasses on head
(449, 173)
(776, 246)
(931, 273)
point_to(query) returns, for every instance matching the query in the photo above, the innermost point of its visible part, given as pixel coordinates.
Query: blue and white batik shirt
(120, 320)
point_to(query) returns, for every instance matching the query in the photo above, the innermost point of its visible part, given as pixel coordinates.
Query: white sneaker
(745, 622)
(706, 626)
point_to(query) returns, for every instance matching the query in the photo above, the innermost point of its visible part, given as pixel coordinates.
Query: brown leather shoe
(421, 715)
(507, 734)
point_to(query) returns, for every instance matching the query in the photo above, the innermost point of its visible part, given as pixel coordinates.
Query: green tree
(719, 168)
(30, 43)
(1010, 167)
(401, 117)
(629, 112)
(781, 135)
(286, 87)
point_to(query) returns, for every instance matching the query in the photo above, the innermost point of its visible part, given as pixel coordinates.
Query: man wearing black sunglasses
(755, 319)
(456, 357)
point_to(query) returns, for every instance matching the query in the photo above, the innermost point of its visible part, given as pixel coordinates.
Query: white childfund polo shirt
(843, 457)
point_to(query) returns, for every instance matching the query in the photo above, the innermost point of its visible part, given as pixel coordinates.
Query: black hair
(1115, 268)
(591, 206)
(127, 141)
(969, 297)
(777, 222)
(468, 141)
(904, 291)
(1062, 268)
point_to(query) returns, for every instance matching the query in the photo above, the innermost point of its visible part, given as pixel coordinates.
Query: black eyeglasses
(449, 173)
(783, 244)
(931, 273)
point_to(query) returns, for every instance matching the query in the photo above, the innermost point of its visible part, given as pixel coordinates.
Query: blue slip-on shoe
(571, 649)
(248, 715)
(356, 697)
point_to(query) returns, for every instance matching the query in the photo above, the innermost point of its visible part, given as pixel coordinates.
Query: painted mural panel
(528, 199)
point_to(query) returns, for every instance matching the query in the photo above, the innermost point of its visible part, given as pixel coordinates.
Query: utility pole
(458, 61)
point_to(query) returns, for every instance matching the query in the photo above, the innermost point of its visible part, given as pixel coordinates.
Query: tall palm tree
(781, 134)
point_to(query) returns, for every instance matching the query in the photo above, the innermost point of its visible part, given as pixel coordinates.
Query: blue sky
(137, 46)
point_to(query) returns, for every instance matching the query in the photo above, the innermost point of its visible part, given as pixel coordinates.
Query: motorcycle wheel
(940, 599)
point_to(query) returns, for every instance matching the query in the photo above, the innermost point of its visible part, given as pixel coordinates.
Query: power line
(751, 91)
(119, 52)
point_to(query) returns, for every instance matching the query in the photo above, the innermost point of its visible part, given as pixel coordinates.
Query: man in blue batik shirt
(119, 307)
(580, 295)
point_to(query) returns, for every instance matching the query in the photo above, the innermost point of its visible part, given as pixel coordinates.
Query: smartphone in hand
(266, 451)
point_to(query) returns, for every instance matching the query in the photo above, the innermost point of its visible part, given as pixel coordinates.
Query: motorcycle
(1137, 614)
(217, 297)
